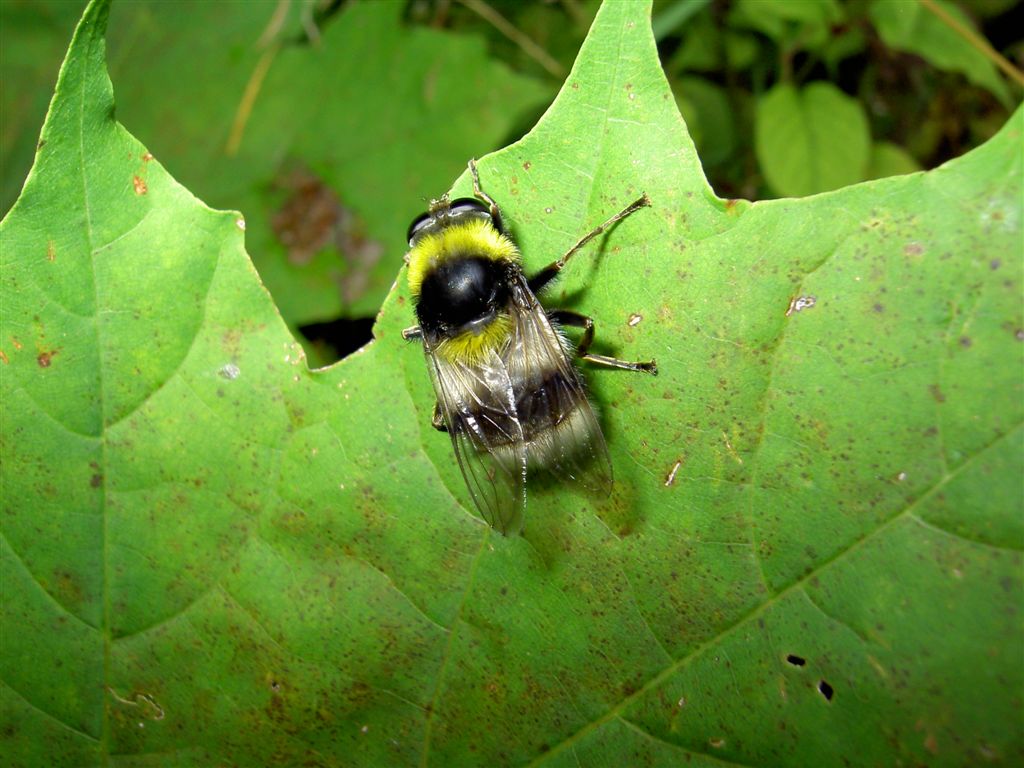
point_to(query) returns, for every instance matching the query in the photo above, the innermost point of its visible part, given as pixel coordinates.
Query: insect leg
(575, 319)
(479, 192)
(411, 334)
(546, 275)
(437, 420)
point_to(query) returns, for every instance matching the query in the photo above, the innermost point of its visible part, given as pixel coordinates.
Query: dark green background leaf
(912, 27)
(889, 160)
(811, 139)
(808, 20)
(34, 38)
(367, 123)
(212, 555)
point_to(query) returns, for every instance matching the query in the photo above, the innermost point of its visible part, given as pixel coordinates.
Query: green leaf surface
(812, 555)
(811, 139)
(911, 27)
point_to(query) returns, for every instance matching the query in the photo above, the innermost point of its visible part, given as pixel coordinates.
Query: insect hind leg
(577, 320)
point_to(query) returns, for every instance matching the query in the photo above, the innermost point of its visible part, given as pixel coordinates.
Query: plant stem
(976, 40)
(509, 30)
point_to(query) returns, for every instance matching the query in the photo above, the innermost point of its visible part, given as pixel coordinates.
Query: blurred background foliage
(330, 124)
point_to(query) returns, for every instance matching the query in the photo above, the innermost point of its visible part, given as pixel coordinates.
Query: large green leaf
(212, 556)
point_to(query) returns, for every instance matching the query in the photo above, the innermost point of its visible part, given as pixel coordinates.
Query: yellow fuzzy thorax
(475, 237)
(471, 348)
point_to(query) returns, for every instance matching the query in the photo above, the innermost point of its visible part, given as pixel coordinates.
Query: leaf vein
(63, 608)
(954, 535)
(35, 707)
(687, 750)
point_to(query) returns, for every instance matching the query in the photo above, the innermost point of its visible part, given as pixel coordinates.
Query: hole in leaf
(335, 339)
(796, 661)
(826, 690)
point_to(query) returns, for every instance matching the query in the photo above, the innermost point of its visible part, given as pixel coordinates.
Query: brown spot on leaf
(146, 157)
(913, 249)
(937, 393)
(67, 586)
(140, 185)
(526, 165)
(96, 481)
(46, 358)
(3, 357)
(51, 251)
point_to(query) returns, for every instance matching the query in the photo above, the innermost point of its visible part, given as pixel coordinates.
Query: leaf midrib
(105, 624)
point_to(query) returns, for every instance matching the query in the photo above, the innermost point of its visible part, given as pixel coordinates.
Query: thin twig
(273, 28)
(976, 40)
(503, 25)
(252, 90)
(268, 41)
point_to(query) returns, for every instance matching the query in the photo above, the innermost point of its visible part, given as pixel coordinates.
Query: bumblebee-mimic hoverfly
(507, 391)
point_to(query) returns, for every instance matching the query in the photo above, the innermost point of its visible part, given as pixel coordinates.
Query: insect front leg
(436, 419)
(575, 319)
(479, 192)
(546, 275)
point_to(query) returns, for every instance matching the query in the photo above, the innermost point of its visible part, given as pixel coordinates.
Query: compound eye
(418, 225)
(469, 205)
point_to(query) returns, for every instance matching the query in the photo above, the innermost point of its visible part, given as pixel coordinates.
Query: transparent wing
(478, 407)
(562, 432)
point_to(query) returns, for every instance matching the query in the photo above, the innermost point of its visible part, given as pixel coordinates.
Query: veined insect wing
(488, 441)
